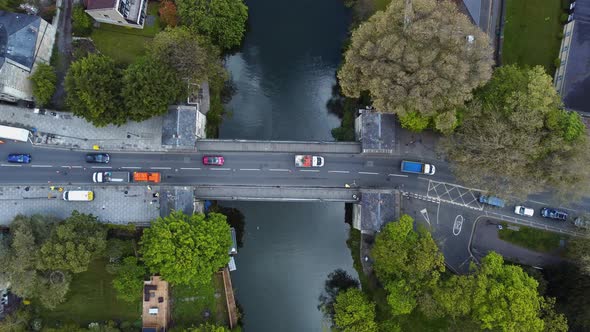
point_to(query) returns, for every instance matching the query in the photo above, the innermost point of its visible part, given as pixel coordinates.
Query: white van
(78, 195)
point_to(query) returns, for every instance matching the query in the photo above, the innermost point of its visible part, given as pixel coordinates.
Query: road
(259, 169)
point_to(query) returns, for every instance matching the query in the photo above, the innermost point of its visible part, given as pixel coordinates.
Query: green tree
(81, 22)
(409, 66)
(353, 312)
(52, 288)
(17, 321)
(149, 86)
(515, 138)
(129, 280)
(93, 86)
(571, 287)
(193, 57)
(338, 281)
(187, 249)
(74, 243)
(407, 262)
(223, 21)
(208, 327)
(43, 80)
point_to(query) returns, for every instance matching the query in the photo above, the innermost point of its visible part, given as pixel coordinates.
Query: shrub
(81, 22)
(44, 80)
(167, 13)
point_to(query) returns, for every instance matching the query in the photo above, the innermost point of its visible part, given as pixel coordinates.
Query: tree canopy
(149, 87)
(418, 61)
(223, 21)
(128, 281)
(43, 80)
(353, 312)
(74, 243)
(407, 262)
(187, 249)
(338, 281)
(515, 138)
(93, 86)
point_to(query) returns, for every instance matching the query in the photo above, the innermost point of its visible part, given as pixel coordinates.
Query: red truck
(153, 177)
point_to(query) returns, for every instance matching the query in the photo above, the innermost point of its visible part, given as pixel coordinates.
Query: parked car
(554, 214)
(98, 158)
(524, 211)
(213, 160)
(19, 158)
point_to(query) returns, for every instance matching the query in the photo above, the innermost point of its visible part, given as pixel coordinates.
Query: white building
(127, 13)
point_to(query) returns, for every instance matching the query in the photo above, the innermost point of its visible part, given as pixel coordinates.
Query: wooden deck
(232, 311)
(158, 299)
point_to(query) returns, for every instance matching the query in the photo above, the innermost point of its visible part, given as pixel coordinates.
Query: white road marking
(76, 166)
(457, 225)
(369, 173)
(309, 170)
(41, 166)
(131, 167)
(249, 169)
(160, 167)
(11, 165)
(220, 169)
(278, 170)
(191, 168)
(424, 213)
(103, 167)
(344, 172)
(400, 175)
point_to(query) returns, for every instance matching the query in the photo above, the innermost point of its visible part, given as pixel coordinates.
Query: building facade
(127, 13)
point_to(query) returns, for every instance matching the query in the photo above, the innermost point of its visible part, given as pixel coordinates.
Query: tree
(129, 280)
(53, 288)
(187, 249)
(223, 21)
(149, 86)
(43, 80)
(167, 13)
(93, 86)
(407, 262)
(208, 327)
(193, 57)
(74, 243)
(353, 312)
(338, 281)
(17, 321)
(81, 22)
(571, 287)
(423, 59)
(515, 139)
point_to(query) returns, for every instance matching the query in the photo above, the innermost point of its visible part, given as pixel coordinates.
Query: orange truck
(153, 177)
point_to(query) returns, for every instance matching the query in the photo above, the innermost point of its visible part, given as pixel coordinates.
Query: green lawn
(126, 44)
(532, 33)
(532, 238)
(191, 302)
(92, 298)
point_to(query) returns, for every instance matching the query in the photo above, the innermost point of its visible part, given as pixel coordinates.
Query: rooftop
(377, 209)
(100, 4)
(18, 38)
(377, 131)
(180, 127)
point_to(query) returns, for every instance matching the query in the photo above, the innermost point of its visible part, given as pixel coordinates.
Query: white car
(524, 211)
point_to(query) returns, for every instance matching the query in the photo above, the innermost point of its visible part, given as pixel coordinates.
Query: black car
(553, 214)
(98, 158)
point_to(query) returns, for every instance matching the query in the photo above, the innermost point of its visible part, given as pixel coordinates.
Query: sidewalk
(278, 146)
(63, 130)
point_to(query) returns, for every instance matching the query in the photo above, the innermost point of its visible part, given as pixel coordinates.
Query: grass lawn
(191, 302)
(381, 4)
(126, 44)
(532, 238)
(532, 33)
(92, 298)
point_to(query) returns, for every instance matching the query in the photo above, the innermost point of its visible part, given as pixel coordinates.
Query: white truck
(309, 161)
(101, 177)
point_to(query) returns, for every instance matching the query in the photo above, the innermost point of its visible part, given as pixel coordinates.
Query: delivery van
(78, 195)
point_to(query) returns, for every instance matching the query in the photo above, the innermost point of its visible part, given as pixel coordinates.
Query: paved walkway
(63, 130)
(112, 204)
(278, 146)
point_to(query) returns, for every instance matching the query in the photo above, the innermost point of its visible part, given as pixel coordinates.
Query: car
(20, 158)
(554, 214)
(213, 160)
(98, 158)
(524, 211)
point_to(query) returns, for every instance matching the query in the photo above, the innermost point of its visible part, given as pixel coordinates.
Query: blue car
(19, 158)
(554, 214)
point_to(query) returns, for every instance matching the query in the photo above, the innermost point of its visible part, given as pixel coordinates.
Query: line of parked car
(546, 212)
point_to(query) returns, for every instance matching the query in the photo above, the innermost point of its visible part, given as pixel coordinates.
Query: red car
(213, 160)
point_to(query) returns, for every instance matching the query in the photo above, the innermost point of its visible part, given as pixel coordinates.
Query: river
(284, 76)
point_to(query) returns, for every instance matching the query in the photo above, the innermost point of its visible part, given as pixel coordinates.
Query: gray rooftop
(176, 198)
(18, 37)
(378, 132)
(180, 127)
(576, 88)
(474, 9)
(377, 209)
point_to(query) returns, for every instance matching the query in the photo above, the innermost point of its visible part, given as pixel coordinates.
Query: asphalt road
(260, 169)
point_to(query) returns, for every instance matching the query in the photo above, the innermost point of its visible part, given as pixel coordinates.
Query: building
(127, 13)
(156, 305)
(25, 41)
